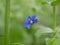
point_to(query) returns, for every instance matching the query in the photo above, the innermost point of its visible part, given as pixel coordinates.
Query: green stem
(34, 39)
(7, 13)
(54, 19)
(54, 25)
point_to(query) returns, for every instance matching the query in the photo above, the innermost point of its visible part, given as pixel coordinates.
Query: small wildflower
(30, 21)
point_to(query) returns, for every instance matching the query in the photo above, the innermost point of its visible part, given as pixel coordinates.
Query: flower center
(31, 21)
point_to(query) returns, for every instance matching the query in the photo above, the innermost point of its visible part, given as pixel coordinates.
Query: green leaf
(56, 42)
(41, 34)
(43, 30)
(16, 44)
(33, 10)
(43, 3)
(55, 3)
(58, 31)
(53, 41)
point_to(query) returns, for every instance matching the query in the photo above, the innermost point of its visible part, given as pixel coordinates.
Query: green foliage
(53, 41)
(39, 34)
(55, 3)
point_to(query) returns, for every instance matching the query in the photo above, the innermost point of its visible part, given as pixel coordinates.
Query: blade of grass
(7, 13)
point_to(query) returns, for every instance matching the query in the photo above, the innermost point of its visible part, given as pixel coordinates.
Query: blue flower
(30, 21)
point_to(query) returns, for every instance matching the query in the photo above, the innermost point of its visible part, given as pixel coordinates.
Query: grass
(7, 13)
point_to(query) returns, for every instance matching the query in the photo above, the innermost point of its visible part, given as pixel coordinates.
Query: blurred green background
(41, 33)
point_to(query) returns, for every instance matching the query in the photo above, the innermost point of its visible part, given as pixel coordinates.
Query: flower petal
(35, 20)
(29, 26)
(33, 16)
(28, 19)
(25, 24)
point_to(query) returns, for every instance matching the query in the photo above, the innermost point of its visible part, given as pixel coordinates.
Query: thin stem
(54, 19)
(54, 25)
(34, 39)
(7, 13)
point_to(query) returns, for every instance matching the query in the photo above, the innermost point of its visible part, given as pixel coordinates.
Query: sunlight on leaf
(43, 30)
